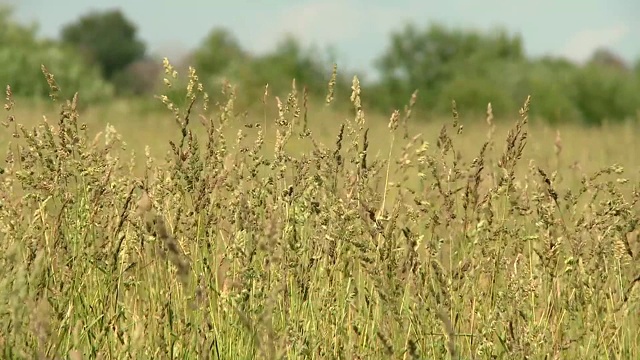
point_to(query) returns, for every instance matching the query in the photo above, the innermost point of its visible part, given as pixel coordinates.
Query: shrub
(21, 57)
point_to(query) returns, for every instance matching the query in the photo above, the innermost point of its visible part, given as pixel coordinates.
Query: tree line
(101, 56)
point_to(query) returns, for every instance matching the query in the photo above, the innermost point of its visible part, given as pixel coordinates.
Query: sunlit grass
(300, 231)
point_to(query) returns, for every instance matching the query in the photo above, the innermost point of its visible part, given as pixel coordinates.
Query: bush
(21, 57)
(107, 39)
(604, 93)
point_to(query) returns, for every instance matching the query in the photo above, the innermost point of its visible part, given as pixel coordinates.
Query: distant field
(239, 250)
(588, 148)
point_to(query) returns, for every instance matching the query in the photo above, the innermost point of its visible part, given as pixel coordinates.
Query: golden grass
(302, 232)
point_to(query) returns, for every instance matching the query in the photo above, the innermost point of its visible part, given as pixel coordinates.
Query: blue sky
(359, 29)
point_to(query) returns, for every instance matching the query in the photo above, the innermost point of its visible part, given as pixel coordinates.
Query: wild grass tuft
(268, 239)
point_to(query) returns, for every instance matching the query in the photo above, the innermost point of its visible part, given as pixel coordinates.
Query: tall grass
(261, 239)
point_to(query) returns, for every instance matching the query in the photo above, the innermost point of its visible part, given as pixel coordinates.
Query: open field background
(571, 149)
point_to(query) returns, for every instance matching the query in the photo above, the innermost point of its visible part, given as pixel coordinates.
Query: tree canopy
(107, 38)
(101, 50)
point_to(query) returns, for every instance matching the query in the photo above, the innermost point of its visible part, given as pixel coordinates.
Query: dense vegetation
(208, 225)
(267, 237)
(442, 64)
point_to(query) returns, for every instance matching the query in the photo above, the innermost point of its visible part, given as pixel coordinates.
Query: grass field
(298, 231)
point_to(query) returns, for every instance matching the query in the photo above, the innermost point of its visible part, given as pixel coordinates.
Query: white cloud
(330, 22)
(583, 43)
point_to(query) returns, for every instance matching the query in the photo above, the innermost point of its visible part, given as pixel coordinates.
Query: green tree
(606, 93)
(108, 38)
(607, 58)
(428, 59)
(21, 57)
(219, 51)
(220, 56)
(473, 91)
(551, 83)
(288, 61)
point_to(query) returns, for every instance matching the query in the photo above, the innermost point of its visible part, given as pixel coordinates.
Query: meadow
(298, 230)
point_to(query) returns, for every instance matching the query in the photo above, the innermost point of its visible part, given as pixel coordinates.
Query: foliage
(240, 246)
(432, 58)
(221, 58)
(491, 67)
(290, 60)
(218, 52)
(606, 93)
(107, 38)
(471, 67)
(21, 57)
